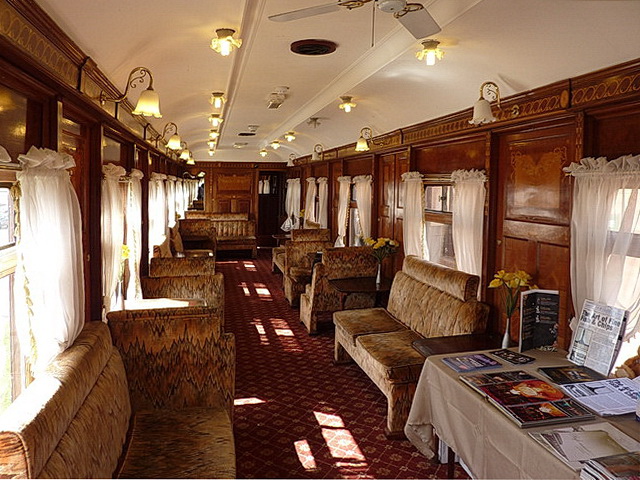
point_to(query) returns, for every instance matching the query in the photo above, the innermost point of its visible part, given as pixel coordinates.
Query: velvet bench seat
(161, 409)
(426, 300)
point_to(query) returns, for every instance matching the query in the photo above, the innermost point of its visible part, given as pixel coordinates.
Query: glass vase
(379, 274)
(506, 340)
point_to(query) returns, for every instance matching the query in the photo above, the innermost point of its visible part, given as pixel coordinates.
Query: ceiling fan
(413, 16)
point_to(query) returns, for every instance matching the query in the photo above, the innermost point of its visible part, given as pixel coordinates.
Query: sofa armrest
(175, 357)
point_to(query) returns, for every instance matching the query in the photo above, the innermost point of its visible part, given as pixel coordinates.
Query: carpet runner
(297, 415)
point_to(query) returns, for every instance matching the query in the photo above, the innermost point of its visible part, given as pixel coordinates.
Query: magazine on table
(612, 396)
(525, 399)
(539, 312)
(514, 358)
(598, 336)
(571, 374)
(623, 465)
(575, 445)
(469, 363)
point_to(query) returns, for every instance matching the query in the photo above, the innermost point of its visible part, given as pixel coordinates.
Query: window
(437, 222)
(10, 359)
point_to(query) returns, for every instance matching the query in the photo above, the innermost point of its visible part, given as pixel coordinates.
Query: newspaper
(597, 338)
(613, 396)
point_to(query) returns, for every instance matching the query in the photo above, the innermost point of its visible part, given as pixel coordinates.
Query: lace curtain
(134, 233)
(157, 211)
(344, 191)
(112, 234)
(180, 208)
(468, 219)
(604, 222)
(364, 199)
(292, 205)
(323, 202)
(310, 200)
(171, 200)
(413, 214)
(50, 263)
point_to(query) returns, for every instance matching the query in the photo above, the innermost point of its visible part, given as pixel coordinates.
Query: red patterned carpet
(297, 415)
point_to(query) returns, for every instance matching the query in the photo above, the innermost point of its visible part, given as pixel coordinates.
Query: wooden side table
(347, 286)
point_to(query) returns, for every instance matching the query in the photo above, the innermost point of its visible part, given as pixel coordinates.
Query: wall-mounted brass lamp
(148, 103)
(175, 142)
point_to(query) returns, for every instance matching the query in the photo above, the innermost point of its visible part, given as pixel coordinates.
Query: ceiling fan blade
(420, 23)
(305, 12)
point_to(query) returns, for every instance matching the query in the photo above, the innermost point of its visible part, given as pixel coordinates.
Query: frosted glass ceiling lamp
(213, 134)
(363, 142)
(211, 144)
(215, 120)
(290, 136)
(275, 144)
(263, 152)
(430, 52)
(225, 42)
(148, 103)
(347, 103)
(211, 152)
(175, 142)
(217, 100)
(482, 109)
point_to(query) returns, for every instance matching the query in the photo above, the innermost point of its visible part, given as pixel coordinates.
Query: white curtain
(171, 200)
(310, 200)
(364, 199)
(292, 205)
(112, 234)
(468, 219)
(180, 208)
(344, 192)
(413, 215)
(134, 233)
(50, 261)
(157, 211)
(323, 202)
(605, 219)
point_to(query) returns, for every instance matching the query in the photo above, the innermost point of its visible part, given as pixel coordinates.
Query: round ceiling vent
(313, 47)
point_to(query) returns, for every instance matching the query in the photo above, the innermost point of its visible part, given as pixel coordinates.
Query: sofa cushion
(187, 443)
(391, 355)
(363, 322)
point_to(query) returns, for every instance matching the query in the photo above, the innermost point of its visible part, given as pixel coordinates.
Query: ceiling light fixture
(482, 108)
(215, 119)
(211, 152)
(217, 99)
(148, 103)
(175, 142)
(314, 122)
(275, 144)
(213, 134)
(225, 42)
(347, 103)
(211, 144)
(430, 52)
(263, 152)
(290, 136)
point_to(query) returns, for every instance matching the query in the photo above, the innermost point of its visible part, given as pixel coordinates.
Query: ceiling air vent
(251, 131)
(313, 47)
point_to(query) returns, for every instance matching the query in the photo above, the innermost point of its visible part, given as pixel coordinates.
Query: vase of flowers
(381, 248)
(510, 283)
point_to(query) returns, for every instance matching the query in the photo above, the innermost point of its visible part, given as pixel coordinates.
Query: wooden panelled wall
(528, 208)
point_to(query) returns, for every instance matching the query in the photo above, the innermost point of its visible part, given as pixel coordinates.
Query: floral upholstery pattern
(234, 235)
(298, 259)
(299, 235)
(320, 298)
(426, 300)
(198, 234)
(169, 266)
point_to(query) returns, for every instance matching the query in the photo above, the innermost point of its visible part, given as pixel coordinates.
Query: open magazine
(598, 336)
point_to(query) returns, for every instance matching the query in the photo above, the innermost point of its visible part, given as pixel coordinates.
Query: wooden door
(533, 214)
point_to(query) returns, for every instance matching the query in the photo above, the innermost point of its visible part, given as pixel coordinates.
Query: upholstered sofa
(233, 232)
(216, 215)
(169, 383)
(426, 300)
(298, 235)
(196, 235)
(320, 299)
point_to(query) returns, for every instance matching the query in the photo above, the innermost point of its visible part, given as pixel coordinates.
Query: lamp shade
(191, 161)
(185, 155)
(362, 145)
(148, 104)
(482, 113)
(175, 142)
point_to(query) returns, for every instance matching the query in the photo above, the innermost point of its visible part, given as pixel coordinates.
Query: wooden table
(347, 286)
(487, 441)
(280, 237)
(457, 343)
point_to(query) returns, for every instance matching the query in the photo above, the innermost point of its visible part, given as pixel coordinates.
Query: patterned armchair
(298, 260)
(198, 234)
(320, 299)
(299, 235)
